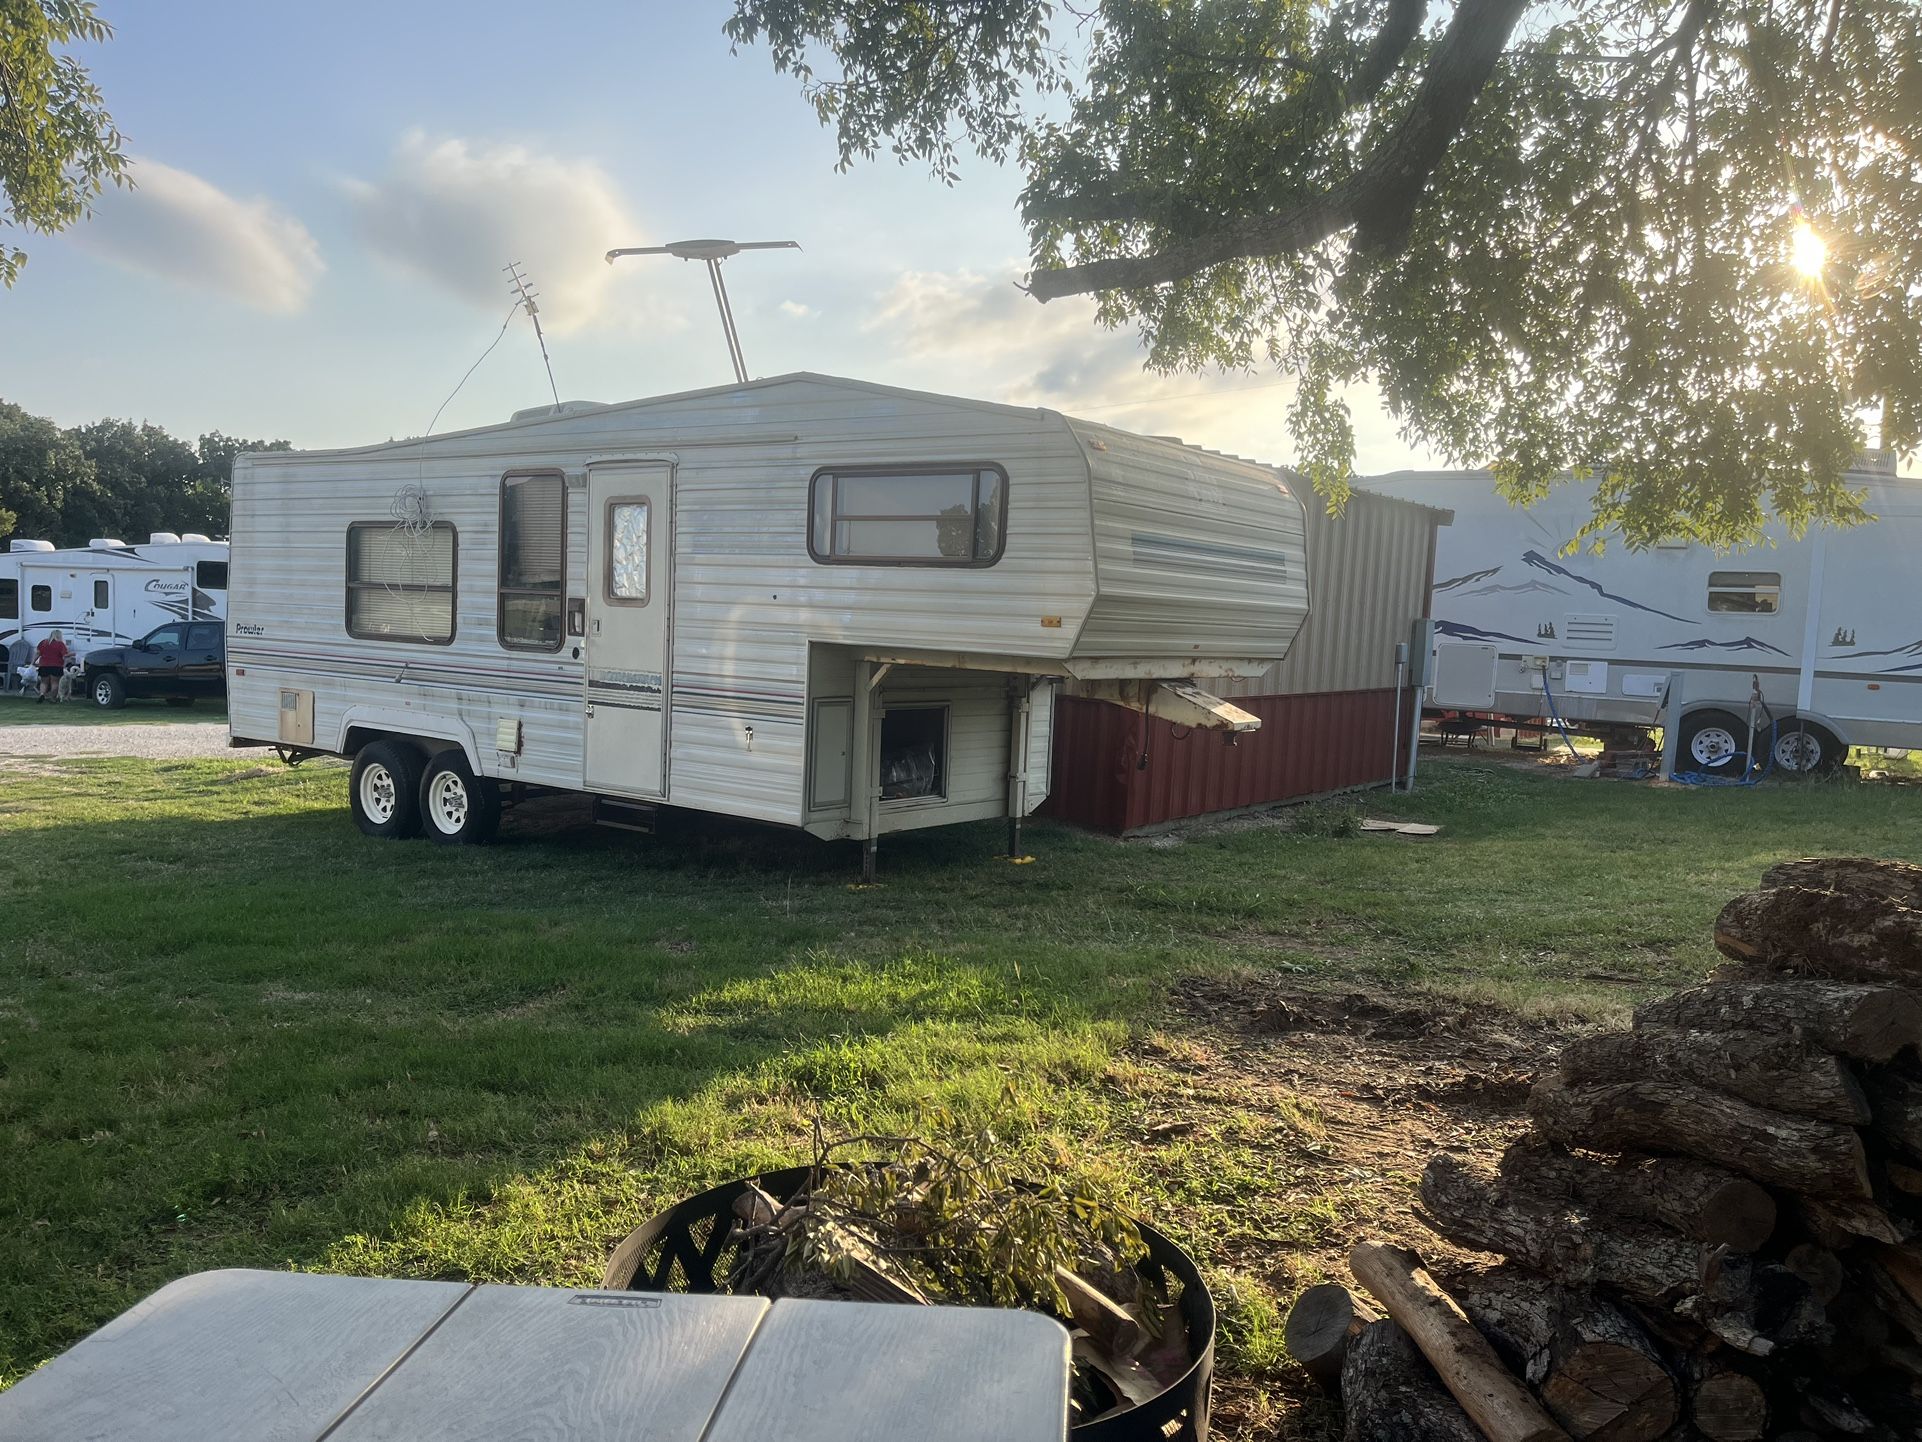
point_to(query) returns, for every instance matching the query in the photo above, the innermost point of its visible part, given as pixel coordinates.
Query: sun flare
(1808, 252)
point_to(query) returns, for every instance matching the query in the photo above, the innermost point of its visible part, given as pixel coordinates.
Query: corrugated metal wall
(1327, 711)
(1307, 746)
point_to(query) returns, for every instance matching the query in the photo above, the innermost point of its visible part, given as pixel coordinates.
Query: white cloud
(454, 212)
(967, 334)
(178, 227)
(795, 310)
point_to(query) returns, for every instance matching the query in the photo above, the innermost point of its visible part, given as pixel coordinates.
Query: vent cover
(1594, 633)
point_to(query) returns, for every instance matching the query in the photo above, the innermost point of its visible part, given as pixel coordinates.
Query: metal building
(1328, 711)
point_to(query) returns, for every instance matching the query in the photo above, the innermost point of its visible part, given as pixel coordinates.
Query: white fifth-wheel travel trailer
(822, 603)
(1815, 642)
(106, 593)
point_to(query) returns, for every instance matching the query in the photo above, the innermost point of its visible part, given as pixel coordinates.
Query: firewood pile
(1711, 1230)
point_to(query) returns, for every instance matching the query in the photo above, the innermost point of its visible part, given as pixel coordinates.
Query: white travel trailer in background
(1826, 630)
(106, 593)
(816, 602)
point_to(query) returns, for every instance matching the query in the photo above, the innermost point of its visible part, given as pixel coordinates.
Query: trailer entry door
(629, 556)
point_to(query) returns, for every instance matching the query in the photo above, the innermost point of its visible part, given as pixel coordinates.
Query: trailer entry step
(625, 815)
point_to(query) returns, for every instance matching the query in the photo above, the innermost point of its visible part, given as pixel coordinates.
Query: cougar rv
(106, 593)
(822, 603)
(1817, 641)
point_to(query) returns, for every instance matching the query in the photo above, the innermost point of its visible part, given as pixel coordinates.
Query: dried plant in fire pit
(944, 1219)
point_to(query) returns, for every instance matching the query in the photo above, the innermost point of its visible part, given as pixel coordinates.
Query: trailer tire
(107, 690)
(457, 807)
(385, 790)
(1803, 748)
(1713, 742)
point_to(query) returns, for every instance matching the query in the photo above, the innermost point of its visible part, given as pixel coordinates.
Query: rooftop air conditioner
(162, 538)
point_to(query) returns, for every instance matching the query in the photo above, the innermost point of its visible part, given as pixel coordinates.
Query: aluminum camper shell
(750, 669)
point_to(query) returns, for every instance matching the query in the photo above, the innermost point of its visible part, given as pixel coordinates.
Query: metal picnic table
(297, 1357)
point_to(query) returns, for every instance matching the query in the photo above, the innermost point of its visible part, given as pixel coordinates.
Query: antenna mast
(713, 252)
(523, 288)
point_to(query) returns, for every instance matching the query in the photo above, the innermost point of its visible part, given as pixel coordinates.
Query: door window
(167, 638)
(40, 598)
(102, 596)
(533, 562)
(627, 546)
(203, 638)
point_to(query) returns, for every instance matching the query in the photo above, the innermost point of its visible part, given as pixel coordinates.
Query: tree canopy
(1675, 245)
(58, 145)
(111, 478)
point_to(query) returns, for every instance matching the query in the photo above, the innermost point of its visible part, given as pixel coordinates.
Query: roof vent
(31, 546)
(566, 408)
(192, 536)
(106, 543)
(1876, 463)
(162, 538)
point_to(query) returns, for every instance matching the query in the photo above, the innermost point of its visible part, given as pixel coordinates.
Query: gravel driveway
(175, 741)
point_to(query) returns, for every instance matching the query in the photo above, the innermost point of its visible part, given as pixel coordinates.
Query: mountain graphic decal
(1747, 643)
(1450, 584)
(1464, 632)
(1542, 563)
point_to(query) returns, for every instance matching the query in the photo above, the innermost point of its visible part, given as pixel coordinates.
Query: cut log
(1841, 935)
(1471, 1208)
(1836, 1224)
(1322, 1325)
(1112, 1326)
(1781, 1072)
(1818, 1158)
(1897, 881)
(1896, 1102)
(1594, 1368)
(1704, 1202)
(1756, 1306)
(1394, 1395)
(1488, 1392)
(1904, 1178)
(1725, 1405)
(1893, 1276)
(1869, 1023)
(1819, 1267)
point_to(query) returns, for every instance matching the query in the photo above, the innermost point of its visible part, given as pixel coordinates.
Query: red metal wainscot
(1308, 745)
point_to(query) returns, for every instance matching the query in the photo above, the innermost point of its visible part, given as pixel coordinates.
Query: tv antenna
(523, 288)
(713, 252)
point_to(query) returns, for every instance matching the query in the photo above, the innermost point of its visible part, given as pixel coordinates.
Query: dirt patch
(1370, 1085)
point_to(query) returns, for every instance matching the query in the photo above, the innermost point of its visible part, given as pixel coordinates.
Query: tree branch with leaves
(1555, 239)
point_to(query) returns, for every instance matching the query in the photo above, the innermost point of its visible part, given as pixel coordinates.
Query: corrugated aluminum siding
(1369, 572)
(1307, 746)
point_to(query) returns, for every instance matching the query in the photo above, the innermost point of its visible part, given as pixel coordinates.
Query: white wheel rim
(1712, 745)
(447, 802)
(102, 693)
(1798, 751)
(379, 797)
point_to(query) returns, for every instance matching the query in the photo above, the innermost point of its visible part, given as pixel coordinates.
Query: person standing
(51, 658)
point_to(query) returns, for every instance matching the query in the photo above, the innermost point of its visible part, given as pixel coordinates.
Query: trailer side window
(40, 597)
(1750, 592)
(400, 582)
(908, 515)
(210, 575)
(533, 563)
(9, 600)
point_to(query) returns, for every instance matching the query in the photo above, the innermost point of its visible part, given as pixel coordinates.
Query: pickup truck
(179, 663)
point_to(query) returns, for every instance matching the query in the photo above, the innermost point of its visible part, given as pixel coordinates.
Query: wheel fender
(397, 722)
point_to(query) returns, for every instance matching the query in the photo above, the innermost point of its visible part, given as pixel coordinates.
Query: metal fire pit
(686, 1249)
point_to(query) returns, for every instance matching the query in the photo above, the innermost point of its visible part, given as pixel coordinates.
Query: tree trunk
(1897, 881)
(1870, 1023)
(1471, 1208)
(1837, 1224)
(1495, 1401)
(1394, 1396)
(1818, 1158)
(1841, 935)
(1772, 1070)
(1595, 1370)
(1698, 1200)
(1322, 1325)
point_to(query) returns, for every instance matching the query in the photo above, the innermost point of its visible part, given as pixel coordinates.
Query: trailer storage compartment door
(628, 586)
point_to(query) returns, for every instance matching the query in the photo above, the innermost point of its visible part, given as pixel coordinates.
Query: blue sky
(327, 194)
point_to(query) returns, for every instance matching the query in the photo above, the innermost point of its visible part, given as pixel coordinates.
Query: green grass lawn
(235, 1032)
(24, 710)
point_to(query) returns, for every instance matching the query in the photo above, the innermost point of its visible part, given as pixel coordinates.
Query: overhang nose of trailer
(1181, 702)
